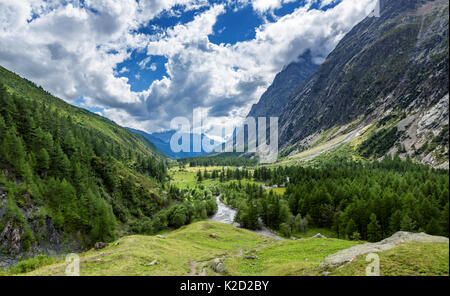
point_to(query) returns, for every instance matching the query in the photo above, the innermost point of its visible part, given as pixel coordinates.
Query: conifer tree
(373, 229)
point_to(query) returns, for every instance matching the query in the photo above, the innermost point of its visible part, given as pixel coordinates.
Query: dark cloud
(57, 51)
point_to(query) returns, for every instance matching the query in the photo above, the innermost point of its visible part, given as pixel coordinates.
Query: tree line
(358, 200)
(224, 174)
(224, 159)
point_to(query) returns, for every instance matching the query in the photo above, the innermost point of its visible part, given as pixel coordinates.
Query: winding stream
(226, 214)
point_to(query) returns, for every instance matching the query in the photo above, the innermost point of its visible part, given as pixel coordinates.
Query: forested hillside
(70, 178)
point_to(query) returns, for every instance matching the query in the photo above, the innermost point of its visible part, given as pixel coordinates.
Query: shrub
(285, 229)
(31, 264)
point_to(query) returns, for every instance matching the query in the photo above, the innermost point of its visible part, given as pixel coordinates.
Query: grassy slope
(190, 248)
(188, 251)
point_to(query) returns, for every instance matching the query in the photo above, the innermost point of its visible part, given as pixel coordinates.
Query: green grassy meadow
(188, 251)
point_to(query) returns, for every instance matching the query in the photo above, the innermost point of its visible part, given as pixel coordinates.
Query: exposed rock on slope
(277, 96)
(347, 255)
(425, 135)
(14, 240)
(397, 63)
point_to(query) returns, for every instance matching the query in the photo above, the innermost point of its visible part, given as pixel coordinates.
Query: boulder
(100, 245)
(154, 262)
(319, 236)
(403, 236)
(253, 257)
(217, 265)
(160, 236)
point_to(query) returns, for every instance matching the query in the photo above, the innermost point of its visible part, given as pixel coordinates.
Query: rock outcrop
(348, 255)
(100, 245)
(217, 265)
(15, 243)
(11, 238)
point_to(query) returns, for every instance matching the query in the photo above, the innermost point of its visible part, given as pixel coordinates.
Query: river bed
(226, 214)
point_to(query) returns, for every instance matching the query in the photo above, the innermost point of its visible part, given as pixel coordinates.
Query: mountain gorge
(387, 79)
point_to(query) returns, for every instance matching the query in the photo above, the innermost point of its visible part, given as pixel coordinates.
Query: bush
(285, 229)
(143, 226)
(31, 264)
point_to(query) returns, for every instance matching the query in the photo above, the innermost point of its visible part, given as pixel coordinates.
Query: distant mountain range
(162, 141)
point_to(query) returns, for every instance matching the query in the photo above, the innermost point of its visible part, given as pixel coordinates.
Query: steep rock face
(394, 63)
(14, 238)
(277, 96)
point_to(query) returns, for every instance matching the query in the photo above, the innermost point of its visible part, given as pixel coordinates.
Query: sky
(142, 63)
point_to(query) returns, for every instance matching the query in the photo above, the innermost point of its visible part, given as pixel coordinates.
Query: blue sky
(142, 63)
(237, 24)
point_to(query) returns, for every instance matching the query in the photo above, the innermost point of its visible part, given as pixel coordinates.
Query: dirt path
(193, 269)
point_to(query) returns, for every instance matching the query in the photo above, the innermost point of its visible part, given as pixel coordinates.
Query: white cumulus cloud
(73, 50)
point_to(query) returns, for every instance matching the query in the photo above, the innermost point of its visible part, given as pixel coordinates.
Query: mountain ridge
(388, 75)
(276, 97)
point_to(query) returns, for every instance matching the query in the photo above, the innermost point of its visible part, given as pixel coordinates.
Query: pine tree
(2, 135)
(104, 224)
(205, 174)
(285, 229)
(445, 220)
(433, 227)
(42, 161)
(60, 164)
(395, 222)
(351, 229)
(199, 176)
(373, 229)
(407, 224)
